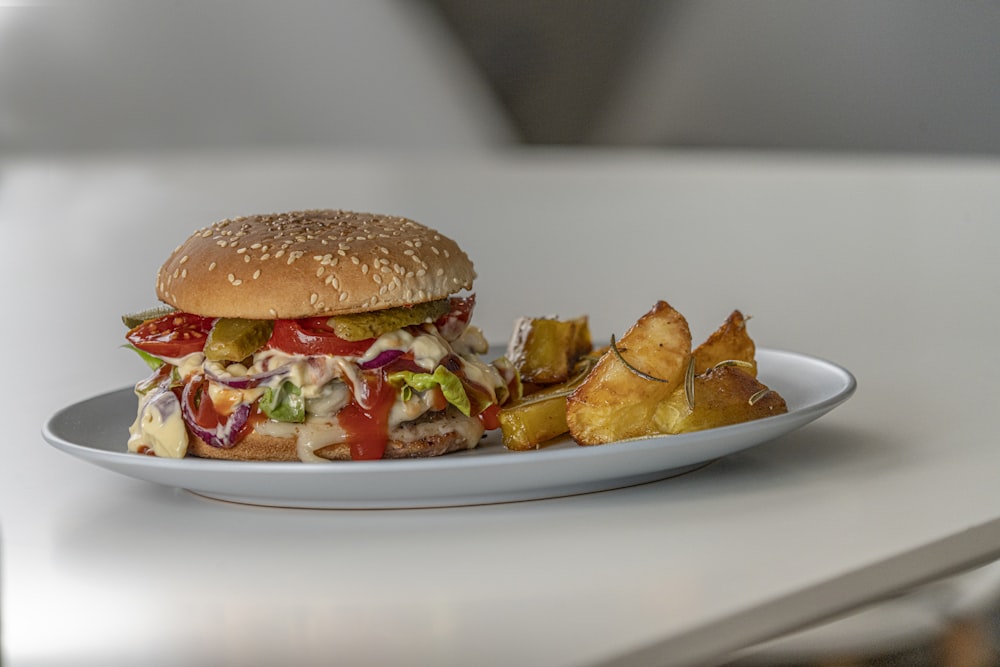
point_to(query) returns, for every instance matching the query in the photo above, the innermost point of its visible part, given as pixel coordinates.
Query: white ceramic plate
(96, 429)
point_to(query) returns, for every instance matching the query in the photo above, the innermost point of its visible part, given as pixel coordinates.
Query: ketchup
(367, 429)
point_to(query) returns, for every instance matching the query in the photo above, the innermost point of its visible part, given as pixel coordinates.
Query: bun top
(309, 264)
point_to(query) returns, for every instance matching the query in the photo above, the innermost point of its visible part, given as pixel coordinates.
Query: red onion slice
(245, 381)
(381, 359)
(224, 435)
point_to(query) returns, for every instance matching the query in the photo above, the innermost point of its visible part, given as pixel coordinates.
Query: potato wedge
(730, 342)
(723, 395)
(541, 416)
(545, 349)
(526, 425)
(614, 402)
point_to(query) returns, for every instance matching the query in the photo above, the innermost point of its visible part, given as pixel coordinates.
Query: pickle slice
(361, 326)
(235, 339)
(132, 320)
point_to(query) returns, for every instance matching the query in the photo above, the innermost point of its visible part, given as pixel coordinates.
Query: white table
(887, 266)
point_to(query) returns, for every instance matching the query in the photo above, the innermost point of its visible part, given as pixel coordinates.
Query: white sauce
(159, 426)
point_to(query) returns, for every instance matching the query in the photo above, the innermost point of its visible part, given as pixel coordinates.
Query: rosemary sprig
(734, 362)
(689, 384)
(645, 376)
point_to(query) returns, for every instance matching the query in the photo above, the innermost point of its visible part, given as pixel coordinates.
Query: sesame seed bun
(310, 264)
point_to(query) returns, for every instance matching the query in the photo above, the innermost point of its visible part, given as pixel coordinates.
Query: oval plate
(96, 430)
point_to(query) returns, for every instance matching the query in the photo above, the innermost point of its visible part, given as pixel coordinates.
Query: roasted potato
(730, 342)
(528, 423)
(541, 416)
(723, 395)
(620, 396)
(544, 350)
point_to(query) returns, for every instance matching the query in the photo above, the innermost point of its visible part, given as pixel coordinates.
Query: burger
(314, 336)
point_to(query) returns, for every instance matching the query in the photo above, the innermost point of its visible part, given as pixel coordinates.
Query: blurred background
(827, 75)
(901, 77)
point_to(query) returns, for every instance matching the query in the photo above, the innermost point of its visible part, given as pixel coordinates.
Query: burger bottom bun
(452, 435)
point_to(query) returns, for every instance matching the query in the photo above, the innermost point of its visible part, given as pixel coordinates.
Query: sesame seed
(319, 272)
(421, 273)
(439, 273)
(256, 274)
(313, 297)
(343, 296)
(183, 259)
(211, 267)
(231, 277)
(355, 261)
(246, 259)
(265, 257)
(184, 273)
(364, 269)
(240, 251)
(237, 282)
(273, 312)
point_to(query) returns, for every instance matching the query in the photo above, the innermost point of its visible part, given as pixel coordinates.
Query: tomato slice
(490, 417)
(312, 335)
(174, 335)
(455, 321)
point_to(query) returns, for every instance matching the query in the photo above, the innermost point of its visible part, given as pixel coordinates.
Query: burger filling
(317, 380)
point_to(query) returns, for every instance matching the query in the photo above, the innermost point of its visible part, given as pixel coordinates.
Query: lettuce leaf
(284, 404)
(451, 386)
(151, 361)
